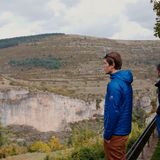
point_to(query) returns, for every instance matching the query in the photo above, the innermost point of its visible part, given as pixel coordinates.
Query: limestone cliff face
(43, 111)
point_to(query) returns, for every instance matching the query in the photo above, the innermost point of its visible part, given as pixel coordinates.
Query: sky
(115, 19)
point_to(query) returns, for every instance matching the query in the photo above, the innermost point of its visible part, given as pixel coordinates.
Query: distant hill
(72, 65)
(9, 42)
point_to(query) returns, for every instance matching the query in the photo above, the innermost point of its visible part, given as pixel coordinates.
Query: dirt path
(149, 148)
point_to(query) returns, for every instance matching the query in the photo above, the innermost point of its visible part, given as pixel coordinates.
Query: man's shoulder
(117, 84)
(114, 84)
(116, 81)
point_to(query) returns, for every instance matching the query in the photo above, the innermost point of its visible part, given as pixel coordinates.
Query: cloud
(4, 19)
(16, 26)
(141, 13)
(70, 3)
(102, 18)
(132, 30)
(108, 19)
(98, 19)
(30, 10)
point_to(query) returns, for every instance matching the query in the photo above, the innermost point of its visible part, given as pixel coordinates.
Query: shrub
(48, 63)
(94, 145)
(97, 146)
(139, 116)
(84, 153)
(136, 132)
(39, 146)
(156, 153)
(3, 139)
(54, 144)
(11, 149)
(79, 137)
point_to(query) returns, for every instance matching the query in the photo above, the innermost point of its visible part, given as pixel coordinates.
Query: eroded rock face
(44, 111)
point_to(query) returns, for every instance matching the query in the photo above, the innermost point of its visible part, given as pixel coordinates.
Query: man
(158, 109)
(117, 108)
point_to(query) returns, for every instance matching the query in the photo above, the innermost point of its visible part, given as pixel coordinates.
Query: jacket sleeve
(111, 109)
(158, 92)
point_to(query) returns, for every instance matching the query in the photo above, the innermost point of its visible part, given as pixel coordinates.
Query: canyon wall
(44, 111)
(50, 112)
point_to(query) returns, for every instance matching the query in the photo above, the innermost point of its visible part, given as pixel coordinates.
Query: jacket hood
(124, 75)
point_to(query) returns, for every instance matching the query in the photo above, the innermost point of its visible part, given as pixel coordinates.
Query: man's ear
(113, 65)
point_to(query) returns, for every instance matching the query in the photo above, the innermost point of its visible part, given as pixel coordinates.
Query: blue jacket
(118, 105)
(158, 85)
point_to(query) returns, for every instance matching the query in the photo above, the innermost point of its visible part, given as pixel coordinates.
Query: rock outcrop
(44, 111)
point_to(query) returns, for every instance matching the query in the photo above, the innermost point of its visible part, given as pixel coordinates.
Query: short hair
(158, 67)
(114, 58)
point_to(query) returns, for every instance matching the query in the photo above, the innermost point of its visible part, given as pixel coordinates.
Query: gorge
(43, 111)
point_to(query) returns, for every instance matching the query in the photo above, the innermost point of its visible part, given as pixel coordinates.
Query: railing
(138, 146)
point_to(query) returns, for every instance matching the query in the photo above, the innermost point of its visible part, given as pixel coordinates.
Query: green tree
(156, 8)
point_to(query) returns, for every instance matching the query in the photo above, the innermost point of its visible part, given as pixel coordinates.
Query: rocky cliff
(44, 111)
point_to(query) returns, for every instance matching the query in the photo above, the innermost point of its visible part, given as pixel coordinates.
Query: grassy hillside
(80, 63)
(70, 65)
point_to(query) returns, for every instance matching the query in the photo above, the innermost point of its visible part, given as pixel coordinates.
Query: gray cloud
(77, 17)
(3, 22)
(70, 3)
(141, 12)
(30, 10)
(102, 28)
(54, 24)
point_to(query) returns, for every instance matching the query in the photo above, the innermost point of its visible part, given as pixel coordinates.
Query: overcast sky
(118, 19)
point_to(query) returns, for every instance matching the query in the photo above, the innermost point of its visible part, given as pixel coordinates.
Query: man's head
(112, 62)
(158, 69)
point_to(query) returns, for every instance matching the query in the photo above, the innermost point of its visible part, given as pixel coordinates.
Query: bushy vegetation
(136, 132)
(87, 145)
(11, 149)
(80, 136)
(39, 146)
(156, 154)
(3, 137)
(84, 143)
(84, 153)
(54, 144)
(7, 148)
(94, 148)
(138, 126)
(48, 63)
(5, 43)
(91, 149)
(139, 116)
